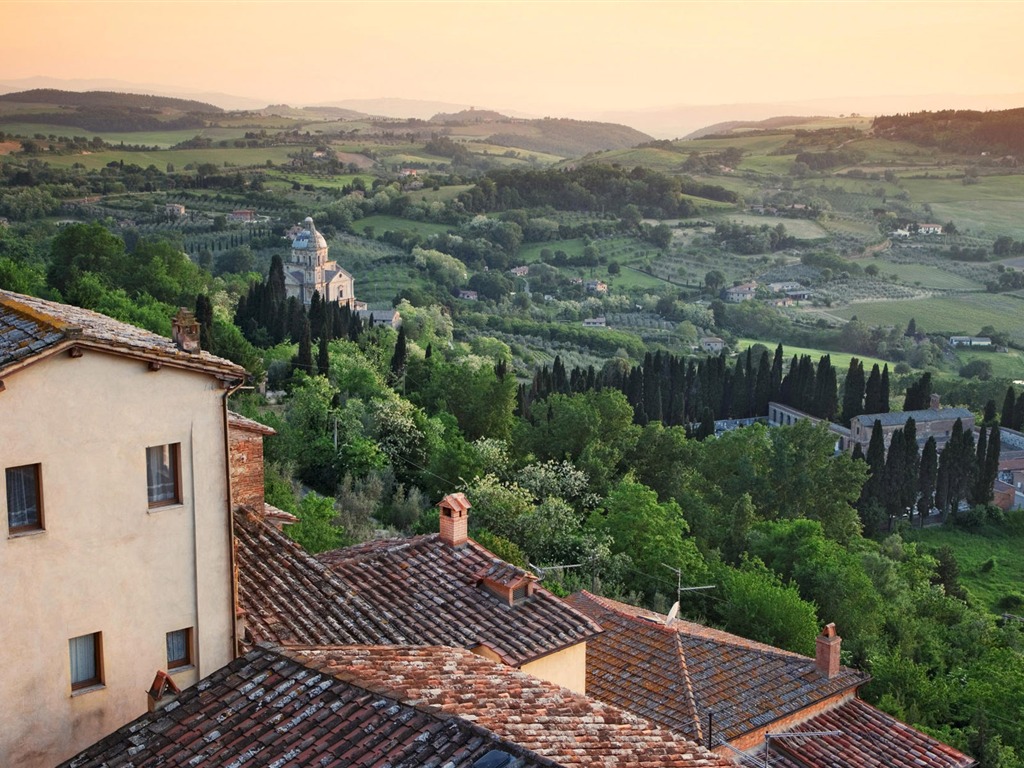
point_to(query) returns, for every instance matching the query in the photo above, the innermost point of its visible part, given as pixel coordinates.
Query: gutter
(230, 390)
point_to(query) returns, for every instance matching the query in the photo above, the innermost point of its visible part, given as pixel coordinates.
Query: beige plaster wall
(105, 561)
(567, 668)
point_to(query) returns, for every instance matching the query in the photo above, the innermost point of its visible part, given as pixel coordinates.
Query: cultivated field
(957, 315)
(840, 360)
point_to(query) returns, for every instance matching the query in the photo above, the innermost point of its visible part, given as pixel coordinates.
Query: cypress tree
(739, 406)
(304, 359)
(204, 315)
(874, 488)
(826, 390)
(853, 391)
(884, 394)
(992, 459)
(775, 380)
(911, 466)
(989, 417)
(707, 425)
(398, 359)
(1008, 408)
(893, 476)
(873, 392)
(926, 479)
(762, 386)
(980, 491)
(275, 281)
(919, 394)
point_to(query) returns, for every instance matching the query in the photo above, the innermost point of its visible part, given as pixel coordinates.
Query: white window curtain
(83, 658)
(160, 473)
(177, 646)
(22, 497)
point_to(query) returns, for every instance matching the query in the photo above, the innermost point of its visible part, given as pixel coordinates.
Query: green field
(234, 158)
(925, 275)
(956, 315)
(531, 253)
(397, 224)
(442, 195)
(1004, 545)
(1005, 365)
(802, 229)
(840, 360)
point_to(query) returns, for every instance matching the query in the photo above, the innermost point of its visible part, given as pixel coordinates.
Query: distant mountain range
(668, 122)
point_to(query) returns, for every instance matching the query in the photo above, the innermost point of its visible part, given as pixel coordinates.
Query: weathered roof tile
(438, 587)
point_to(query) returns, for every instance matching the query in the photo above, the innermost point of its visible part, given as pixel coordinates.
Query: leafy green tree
(316, 531)
(82, 248)
(651, 533)
(756, 604)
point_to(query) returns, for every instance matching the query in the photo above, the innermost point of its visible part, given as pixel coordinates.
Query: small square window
(24, 499)
(163, 476)
(86, 667)
(179, 648)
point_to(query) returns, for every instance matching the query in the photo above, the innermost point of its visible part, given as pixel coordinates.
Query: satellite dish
(672, 613)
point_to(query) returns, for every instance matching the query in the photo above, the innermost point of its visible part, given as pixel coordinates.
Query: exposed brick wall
(756, 736)
(246, 467)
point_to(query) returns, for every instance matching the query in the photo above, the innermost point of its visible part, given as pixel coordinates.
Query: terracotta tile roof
(265, 709)
(289, 597)
(675, 675)
(437, 587)
(238, 421)
(568, 728)
(31, 327)
(870, 739)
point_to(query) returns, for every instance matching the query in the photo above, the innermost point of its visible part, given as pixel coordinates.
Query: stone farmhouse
(158, 614)
(116, 555)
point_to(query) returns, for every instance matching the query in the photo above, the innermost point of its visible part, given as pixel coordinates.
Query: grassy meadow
(957, 315)
(840, 360)
(987, 582)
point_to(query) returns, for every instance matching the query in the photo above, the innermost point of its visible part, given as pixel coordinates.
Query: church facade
(308, 270)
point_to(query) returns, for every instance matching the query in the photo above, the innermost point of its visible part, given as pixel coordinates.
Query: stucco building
(309, 270)
(115, 546)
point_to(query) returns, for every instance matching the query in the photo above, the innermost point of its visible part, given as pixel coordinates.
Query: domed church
(309, 270)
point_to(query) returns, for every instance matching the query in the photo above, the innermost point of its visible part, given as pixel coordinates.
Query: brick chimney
(826, 651)
(454, 519)
(935, 403)
(185, 331)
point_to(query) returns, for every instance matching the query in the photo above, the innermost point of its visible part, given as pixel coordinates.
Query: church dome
(309, 238)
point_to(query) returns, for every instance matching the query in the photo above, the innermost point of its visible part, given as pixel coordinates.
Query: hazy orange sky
(554, 57)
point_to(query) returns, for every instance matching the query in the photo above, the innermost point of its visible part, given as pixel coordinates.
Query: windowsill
(23, 534)
(89, 689)
(161, 507)
(175, 670)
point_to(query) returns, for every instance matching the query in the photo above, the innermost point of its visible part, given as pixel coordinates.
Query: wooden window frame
(96, 680)
(173, 665)
(39, 524)
(175, 458)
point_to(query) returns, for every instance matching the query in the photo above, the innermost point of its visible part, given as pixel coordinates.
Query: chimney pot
(826, 651)
(185, 331)
(162, 692)
(454, 519)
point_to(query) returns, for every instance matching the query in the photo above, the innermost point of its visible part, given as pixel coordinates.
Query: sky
(556, 57)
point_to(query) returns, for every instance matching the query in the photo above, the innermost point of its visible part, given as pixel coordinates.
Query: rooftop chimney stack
(454, 519)
(185, 331)
(826, 651)
(162, 692)
(936, 402)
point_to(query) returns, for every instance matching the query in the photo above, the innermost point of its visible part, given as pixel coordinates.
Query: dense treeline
(595, 188)
(587, 478)
(108, 99)
(958, 130)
